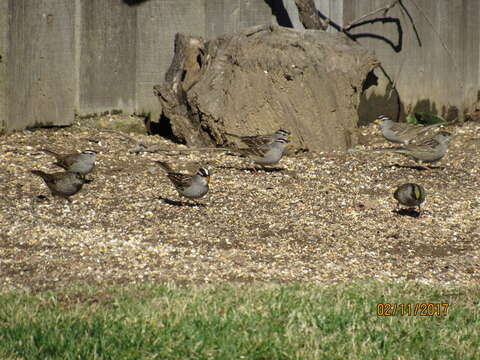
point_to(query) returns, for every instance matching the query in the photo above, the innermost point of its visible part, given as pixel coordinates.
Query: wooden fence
(59, 58)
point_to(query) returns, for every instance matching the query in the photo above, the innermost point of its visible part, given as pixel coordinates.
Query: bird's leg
(420, 163)
(62, 196)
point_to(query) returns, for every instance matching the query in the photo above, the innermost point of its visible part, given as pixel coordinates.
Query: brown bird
(63, 184)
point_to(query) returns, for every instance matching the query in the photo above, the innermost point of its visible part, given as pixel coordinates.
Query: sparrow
(410, 195)
(81, 163)
(403, 133)
(63, 184)
(268, 154)
(429, 150)
(189, 186)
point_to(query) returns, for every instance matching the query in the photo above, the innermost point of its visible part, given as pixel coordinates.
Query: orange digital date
(421, 309)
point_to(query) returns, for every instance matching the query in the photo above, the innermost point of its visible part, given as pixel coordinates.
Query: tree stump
(262, 79)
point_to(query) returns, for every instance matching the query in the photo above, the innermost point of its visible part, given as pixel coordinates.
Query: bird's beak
(207, 178)
(377, 121)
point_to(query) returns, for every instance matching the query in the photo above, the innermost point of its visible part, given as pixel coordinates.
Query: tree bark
(262, 79)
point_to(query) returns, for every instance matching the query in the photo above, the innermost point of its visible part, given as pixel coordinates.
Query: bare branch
(309, 15)
(385, 10)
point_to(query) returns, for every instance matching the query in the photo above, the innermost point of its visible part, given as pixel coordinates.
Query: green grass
(254, 321)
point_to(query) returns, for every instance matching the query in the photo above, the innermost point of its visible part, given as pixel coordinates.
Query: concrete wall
(58, 57)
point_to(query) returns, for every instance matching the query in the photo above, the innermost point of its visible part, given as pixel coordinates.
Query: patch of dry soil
(325, 217)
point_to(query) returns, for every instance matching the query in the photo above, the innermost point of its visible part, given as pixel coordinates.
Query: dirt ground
(322, 218)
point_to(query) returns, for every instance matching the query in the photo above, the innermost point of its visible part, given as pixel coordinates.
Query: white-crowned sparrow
(189, 186)
(268, 154)
(427, 151)
(411, 195)
(401, 132)
(63, 184)
(259, 140)
(82, 163)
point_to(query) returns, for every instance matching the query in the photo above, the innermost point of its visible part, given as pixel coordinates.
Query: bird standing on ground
(81, 163)
(269, 154)
(189, 186)
(401, 132)
(410, 195)
(63, 184)
(429, 150)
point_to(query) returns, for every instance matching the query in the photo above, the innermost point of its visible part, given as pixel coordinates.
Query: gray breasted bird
(410, 195)
(259, 140)
(403, 133)
(429, 150)
(63, 184)
(81, 163)
(268, 154)
(189, 186)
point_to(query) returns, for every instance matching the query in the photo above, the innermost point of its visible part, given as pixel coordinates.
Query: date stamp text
(419, 309)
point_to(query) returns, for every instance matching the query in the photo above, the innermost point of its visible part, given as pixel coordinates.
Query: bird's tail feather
(59, 164)
(398, 148)
(428, 128)
(39, 173)
(234, 135)
(50, 152)
(164, 165)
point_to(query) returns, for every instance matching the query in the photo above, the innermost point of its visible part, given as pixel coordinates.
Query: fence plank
(107, 56)
(441, 75)
(158, 22)
(40, 63)
(4, 93)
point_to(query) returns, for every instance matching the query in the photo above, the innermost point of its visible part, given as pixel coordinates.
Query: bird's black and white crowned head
(281, 143)
(282, 132)
(89, 152)
(383, 120)
(204, 173)
(282, 140)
